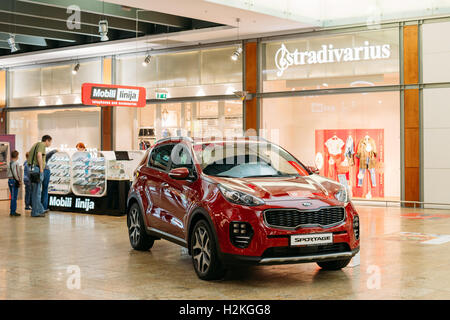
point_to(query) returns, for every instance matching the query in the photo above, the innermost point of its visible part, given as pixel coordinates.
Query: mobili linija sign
(94, 94)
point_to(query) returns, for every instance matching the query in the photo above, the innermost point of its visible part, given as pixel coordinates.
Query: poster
(355, 156)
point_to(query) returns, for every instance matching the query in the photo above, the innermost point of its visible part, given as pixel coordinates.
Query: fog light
(241, 235)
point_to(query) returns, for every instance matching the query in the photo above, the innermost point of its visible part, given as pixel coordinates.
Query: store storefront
(325, 100)
(321, 95)
(190, 77)
(46, 100)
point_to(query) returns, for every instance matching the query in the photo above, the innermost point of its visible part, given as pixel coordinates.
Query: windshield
(246, 160)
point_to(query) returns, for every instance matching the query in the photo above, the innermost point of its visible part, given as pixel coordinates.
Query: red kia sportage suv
(239, 201)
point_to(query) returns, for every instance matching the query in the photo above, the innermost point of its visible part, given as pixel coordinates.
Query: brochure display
(89, 174)
(92, 182)
(59, 166)
(4, 162)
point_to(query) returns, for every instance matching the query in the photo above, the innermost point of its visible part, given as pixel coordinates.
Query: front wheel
(334, 265)
(205, 258)
(139, 239)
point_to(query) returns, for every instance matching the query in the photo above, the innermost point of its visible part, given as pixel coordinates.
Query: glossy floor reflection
(404, 255)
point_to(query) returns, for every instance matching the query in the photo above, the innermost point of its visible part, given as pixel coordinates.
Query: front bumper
(271, 245)
(231, 259)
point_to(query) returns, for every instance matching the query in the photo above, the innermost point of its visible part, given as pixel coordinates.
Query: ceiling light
(12, 43)
(236, 54)
(147, 60)
(76, 68)
(103, 30)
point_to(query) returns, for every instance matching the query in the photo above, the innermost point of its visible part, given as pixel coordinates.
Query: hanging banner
(94, 94)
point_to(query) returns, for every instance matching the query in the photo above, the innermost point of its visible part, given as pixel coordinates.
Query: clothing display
(334, 145)
(349, 151)
(362, 173)
(333, 162)
(367, 152)
(144, 144)
(348, 161)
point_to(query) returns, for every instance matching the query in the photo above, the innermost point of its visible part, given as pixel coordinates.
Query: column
(107, 112)
(411, 114)
(251, 86)
(3, 128)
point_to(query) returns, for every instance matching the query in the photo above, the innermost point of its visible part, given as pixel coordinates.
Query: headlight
(342, 195)
(238, 197)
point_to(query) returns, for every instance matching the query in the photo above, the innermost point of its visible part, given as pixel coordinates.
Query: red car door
(156, 174)
(178, 195)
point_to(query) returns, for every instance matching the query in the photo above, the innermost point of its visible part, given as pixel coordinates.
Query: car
(239, 201)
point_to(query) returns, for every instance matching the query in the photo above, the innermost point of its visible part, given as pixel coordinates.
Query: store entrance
(191, 119)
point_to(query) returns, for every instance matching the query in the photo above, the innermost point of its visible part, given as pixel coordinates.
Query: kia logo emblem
(307, 204)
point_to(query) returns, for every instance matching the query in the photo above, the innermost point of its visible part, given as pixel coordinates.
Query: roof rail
(174, 138)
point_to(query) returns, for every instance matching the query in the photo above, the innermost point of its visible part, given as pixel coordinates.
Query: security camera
(241, 94)
(103, 30)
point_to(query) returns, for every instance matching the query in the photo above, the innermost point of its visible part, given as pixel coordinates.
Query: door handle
(164, 184)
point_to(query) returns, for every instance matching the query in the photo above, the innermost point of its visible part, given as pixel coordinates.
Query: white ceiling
(251, 24)
(257, 18)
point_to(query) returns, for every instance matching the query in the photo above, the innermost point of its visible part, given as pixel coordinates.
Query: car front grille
(279, 252)
(293, 218)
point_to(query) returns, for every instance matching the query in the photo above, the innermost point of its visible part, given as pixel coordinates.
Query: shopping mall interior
(335, 112)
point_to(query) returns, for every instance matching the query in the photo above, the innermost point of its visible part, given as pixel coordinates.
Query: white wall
(436, 142)
(436, 52)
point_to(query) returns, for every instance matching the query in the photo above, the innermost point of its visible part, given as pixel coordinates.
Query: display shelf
(89, 174)
(59, 165)
(116, 171)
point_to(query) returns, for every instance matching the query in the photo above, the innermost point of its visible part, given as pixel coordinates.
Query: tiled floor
(37, 254)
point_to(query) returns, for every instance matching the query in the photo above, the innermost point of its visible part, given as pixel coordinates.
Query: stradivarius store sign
(328, 54)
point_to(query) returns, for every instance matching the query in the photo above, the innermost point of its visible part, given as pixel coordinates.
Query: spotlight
(236, 54)
(76, 68)
(12, 43)
(147, 60)
(103, 30)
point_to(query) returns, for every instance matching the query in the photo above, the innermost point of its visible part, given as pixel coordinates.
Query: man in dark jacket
(27, 183)
(46, 181)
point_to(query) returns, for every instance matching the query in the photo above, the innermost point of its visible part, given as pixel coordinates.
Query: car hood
(284, 188)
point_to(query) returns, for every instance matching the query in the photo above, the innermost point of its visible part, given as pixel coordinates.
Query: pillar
(411, 114)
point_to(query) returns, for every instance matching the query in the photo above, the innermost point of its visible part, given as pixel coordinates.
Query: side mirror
(179, 173)
(313, 169)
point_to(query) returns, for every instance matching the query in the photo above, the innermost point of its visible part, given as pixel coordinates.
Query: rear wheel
(139, 239)
(205, 257)
(334, 265)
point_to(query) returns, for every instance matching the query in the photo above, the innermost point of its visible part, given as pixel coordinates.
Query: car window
(181, 158)
(160, 157)
(245, 160)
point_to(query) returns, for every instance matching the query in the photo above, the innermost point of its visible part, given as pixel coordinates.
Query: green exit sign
(161, 95)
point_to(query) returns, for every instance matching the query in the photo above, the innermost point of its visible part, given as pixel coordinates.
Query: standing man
(36, 161)
(46, 181)
(27, 183)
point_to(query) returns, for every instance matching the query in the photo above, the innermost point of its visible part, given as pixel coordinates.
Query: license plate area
(313, 239)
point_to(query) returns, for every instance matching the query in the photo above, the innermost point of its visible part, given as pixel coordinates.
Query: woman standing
(14, 181)
(80, 147)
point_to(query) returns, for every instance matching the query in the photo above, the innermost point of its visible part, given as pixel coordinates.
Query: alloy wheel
(135, 228)
(201, 250)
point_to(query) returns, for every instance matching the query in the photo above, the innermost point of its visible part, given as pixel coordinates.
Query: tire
(334, 265)
(204, 253)
(139, 239)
